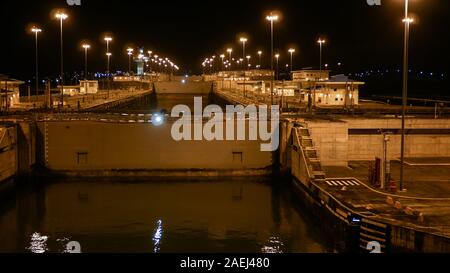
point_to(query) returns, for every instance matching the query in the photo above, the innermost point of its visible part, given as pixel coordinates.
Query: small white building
(85, 87)
(336, 91)
(88, 87)
(9, 91)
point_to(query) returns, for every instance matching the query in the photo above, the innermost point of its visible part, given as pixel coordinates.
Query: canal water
(120, 216)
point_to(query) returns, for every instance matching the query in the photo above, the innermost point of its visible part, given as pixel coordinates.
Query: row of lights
(153, 58)
(61, 16)
(388, 71)
(227, 64)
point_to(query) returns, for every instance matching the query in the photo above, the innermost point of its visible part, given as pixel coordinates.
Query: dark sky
(360, 36)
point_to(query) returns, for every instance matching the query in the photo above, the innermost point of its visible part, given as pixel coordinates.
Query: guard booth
(88, 87)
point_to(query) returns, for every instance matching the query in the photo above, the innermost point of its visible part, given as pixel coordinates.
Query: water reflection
(151, 216)
(157, 237)
(274, 245)
(38, 243)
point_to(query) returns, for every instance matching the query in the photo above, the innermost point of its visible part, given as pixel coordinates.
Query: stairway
(311, 153)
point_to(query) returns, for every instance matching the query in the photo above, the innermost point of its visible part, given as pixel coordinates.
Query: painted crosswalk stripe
(328, 182)
(345, 183)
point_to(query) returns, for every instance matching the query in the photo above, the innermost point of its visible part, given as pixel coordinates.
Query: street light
(321, 43)
(36, 31)
(260, 54)
(230, 52)
(248, 57)
(150, 56)
(292, 51)
(272, 18)
(408, 21)
(243, 41)
(277, 56)
(222, 57)
(108, 60)
(130, 53)
(86, 48)
(107, 40)
(61, 17)
(109, 55)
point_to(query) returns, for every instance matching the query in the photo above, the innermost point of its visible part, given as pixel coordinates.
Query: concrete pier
(321, 165)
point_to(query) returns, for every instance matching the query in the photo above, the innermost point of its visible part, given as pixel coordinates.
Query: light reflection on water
(157, 237)
(153, 217)
(38, 243)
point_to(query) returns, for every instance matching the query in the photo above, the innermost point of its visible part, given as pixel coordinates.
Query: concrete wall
(98, 146)
(8, 153)
(367, 147)
(336, 147)
(26, 135)
(177, 87)
(331, 140)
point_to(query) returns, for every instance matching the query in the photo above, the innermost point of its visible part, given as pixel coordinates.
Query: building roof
(341, 79)
(7, 79)
(311, 71)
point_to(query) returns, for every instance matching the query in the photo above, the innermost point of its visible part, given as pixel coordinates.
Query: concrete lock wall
(26, 136)
(178, 87)
(8, 153)
(367, 147)
(336, 147)
(331, 141)
(94, 146)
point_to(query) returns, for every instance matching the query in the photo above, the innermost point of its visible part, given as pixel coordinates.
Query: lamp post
(292, 51)
(243, 41)
(86, 48)
(108, 56)
(260, 55)
(61, 17)
(245, 76)
(36, 31)
(230, 52)
(130, 53)
(150, 57)
(108, 60)
(277, 56)
(107, 40)
(407, 21)
(272, 18)
(248, 57)
(222, 57)
(321, 43)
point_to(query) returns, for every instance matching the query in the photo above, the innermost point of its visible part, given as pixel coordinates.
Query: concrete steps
(311, 153)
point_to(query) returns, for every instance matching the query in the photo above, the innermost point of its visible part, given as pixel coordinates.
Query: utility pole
(407, 22)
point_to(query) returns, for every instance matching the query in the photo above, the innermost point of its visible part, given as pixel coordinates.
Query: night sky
(358, 35)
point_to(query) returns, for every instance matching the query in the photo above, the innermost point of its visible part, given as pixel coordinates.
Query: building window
(238, 157)
(82, 158)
